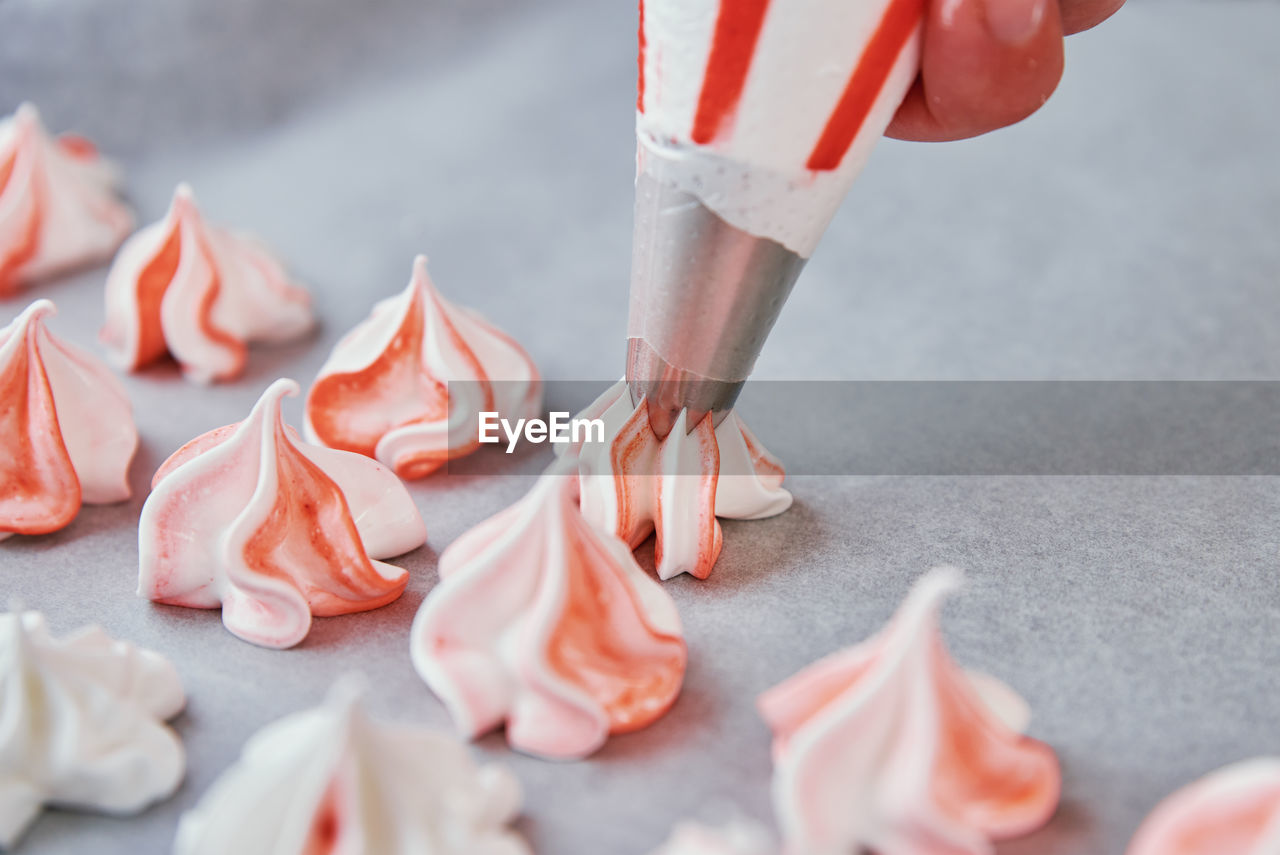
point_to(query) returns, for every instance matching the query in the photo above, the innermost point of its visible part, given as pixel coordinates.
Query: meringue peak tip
(27, 115)
(348, 691)
(421, 278)
(282, 388)
(38, 311)
(928, 591)
(944, 577)
(184, 199)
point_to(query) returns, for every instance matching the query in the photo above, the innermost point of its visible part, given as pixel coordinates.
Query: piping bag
(752, 120)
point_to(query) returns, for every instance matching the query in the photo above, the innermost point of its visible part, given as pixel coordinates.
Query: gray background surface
(1127, 231)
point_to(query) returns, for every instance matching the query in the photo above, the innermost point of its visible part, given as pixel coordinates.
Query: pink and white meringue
(250, 518)
(635, 484)
(200, 293)
(59, 209)
(65, 424)
(1234, 810)
(83, 723)
(335, 781)
(733, 838)
(407, 385)
(547, 623)
(889, 746)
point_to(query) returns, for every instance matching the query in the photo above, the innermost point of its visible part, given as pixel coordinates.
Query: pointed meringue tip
(348, 691)
(37, 311)
(284, 387)
(421, 279)
(268, 405)
(26, 117)
(933, 587)
(184, 200)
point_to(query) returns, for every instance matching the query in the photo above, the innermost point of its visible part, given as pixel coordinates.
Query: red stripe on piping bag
(732, 46)
(899, 22)
(640, 62)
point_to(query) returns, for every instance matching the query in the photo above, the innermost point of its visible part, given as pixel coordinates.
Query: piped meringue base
(635, 484)
(83, 723)
(407, 385)
(199, 292)
(1234, 810)
(273, 530)
(546, 623)
(66, 426)
(889, 746)
(335, 780)
(59, 209)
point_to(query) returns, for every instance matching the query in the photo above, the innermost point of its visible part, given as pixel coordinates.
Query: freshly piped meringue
(58, 204)
(65, 424)
(734, 838)
(199, 292)
(251, 518)
(634, 484)
(332, 781)
(407, 385)
(545, 622)
(82, 723)
(1234, 810)
(889, 746)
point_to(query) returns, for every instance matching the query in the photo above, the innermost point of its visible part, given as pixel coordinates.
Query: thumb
(985, 64)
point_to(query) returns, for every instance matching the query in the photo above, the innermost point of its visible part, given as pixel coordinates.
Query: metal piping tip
(704, 296)
(667, 390)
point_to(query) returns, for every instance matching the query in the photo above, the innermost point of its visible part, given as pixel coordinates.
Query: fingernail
(1014, 22)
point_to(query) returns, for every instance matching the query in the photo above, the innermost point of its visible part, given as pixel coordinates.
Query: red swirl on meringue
(546, 623)
(250, 518)
(58, 204)
(200, 293)
(889, 746)
(1235, 809)
(635, 484)
(407, 385)
(66, 427)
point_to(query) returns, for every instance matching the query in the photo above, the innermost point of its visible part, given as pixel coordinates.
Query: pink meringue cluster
(890, 747)
(635, 484)
(1234, 810)
(407, 385)
(58, 204)
(250, 518)
(66, 428)
(547, 623)
(200, 293)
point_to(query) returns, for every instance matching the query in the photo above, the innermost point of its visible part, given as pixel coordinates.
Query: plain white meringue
(335, 781)
(82, 723)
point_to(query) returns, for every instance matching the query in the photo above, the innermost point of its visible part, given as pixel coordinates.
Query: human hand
(989, 63)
